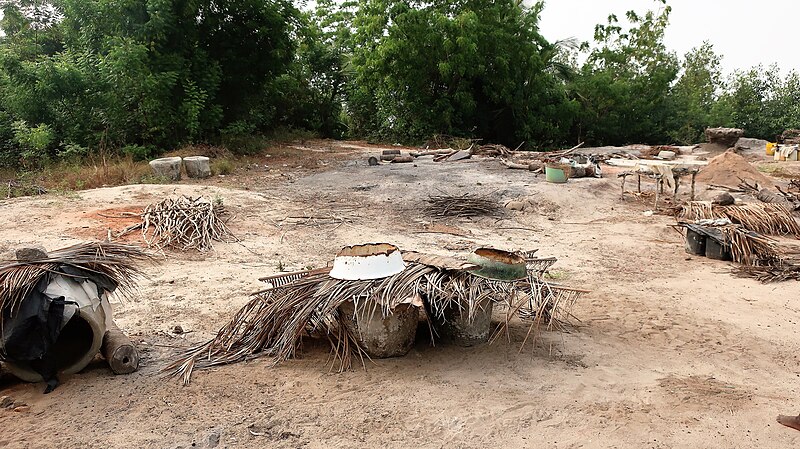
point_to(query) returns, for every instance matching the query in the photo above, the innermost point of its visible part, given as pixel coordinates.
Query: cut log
(119, 351)
(402, 160)
(197, 167)
(168, 167)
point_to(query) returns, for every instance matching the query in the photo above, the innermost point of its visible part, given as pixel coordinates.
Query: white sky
(745, 32)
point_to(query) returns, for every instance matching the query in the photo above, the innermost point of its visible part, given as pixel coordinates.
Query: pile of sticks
(492, 151)
(184, 223)
(461, 206)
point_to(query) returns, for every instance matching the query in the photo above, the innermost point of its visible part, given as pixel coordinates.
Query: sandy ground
(670, 351)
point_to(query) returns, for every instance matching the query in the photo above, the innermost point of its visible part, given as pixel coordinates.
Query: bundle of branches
(115, 262)
(466, 205)
(274, 322)
(492, 151)
(768, 219)
(184, 223)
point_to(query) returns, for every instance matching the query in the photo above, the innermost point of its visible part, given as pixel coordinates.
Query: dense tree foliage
(143, 76)
(464, 68)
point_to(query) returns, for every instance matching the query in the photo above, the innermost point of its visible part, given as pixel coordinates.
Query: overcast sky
(745, 32)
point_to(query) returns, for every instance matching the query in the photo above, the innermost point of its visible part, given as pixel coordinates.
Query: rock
(791, 137)
(667, 155)
(177, 330)
(168, 167)
(22, 409)
(213, 438)
(748, 145)
(724, 136)
(197, 167)
(31, 253)
(515, 205)
(372, 161)
(461, 155)
(724, 199)
(6, 402)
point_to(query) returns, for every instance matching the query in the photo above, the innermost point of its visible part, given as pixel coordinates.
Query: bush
(139, 152)
(222, 167)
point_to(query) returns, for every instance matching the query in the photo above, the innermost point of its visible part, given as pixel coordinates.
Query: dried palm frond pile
(549, 304)
(769, 274)
(115, 262)
(184, 223)
(750, 248)
(462, 206)
(275, 321)
(767, 219)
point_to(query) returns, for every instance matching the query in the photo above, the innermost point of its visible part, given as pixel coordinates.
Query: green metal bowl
(498, 265)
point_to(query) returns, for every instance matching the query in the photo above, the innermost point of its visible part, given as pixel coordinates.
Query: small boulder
(6, 402)
(515, 205)
(746, 145)
(666, 155)
(724, 199)
(31, 253)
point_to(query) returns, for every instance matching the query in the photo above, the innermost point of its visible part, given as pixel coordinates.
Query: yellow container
(771, 148)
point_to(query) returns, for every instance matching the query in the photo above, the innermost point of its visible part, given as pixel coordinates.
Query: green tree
(465, 68)
(148, 72)
(624, 84)
(695, 94)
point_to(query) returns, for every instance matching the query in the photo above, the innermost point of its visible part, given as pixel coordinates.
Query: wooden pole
(624, 177)
(677, 186)
(119, 351)
(659, 187)
(694, 175)
(639, 186)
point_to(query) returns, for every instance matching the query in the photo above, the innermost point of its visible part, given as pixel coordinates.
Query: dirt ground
(670, 351)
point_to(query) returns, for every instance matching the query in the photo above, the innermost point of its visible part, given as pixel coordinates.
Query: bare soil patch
(670, 350)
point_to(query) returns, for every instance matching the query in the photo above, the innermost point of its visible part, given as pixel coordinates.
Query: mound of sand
(727, 169)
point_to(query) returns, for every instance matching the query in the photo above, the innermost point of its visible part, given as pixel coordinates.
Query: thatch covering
(767, 219)
(274, 322)
(115, 262)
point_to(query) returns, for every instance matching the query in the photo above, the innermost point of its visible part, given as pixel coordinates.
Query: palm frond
(274, 322)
